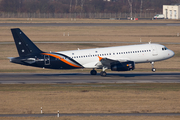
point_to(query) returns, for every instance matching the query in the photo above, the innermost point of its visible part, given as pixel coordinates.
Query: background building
(171, 11)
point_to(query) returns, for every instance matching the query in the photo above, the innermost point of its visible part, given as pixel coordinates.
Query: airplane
(119, 58)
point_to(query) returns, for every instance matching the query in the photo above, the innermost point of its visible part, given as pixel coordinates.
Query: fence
(75, 15)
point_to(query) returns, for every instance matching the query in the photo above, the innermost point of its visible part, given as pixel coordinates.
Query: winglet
(100, 58)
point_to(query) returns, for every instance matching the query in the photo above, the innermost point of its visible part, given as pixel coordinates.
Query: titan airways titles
(120, 58)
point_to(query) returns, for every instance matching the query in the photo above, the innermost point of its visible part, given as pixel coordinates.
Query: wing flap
(108, 61)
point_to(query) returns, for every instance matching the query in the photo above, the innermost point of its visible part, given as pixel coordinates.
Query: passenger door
(46, 60)
(154, 51)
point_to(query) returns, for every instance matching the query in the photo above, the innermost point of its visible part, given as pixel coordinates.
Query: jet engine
(122, 66)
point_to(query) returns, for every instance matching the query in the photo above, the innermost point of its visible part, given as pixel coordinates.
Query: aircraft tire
(93, 72)
(103, 73)
(154, 69)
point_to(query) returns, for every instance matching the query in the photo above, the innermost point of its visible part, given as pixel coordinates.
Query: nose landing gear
(153, 69)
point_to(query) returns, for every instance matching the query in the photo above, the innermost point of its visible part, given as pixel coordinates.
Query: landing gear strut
(153, 69)
(103, 72)
(93, 72)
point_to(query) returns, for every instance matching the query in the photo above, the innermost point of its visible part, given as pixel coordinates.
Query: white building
(171, 11)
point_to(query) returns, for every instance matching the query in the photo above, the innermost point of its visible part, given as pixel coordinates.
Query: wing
(107, 62)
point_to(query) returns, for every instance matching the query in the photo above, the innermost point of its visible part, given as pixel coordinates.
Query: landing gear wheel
(93, 72)
(103, 73)
(154, 69)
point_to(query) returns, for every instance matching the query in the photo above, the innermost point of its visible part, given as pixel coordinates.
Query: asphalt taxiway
(50, 78)
(91, 114)
(85, 24)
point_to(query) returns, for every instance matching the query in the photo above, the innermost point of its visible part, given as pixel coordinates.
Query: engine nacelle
(122, 66)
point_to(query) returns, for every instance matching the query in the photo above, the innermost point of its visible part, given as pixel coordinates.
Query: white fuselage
(142, 53)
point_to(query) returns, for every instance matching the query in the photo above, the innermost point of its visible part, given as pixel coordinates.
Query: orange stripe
(60, 58)
(100, 58)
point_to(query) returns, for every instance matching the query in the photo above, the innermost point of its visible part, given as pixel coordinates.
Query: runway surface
(91, 114)
(86, 24)
(33, 78)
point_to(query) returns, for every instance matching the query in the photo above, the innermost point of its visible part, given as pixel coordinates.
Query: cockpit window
(164, 48)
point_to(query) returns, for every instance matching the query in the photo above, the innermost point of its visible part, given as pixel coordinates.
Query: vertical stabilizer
(24, 45)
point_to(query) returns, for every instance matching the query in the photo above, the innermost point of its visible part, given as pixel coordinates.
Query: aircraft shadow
(110, 74)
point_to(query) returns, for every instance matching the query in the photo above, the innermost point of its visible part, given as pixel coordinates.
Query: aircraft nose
(170, 53)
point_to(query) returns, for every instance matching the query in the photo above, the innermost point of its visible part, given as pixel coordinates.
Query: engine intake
(123, 66)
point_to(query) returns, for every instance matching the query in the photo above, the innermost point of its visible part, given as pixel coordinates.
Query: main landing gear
(153, 69)
(93, 72)
(102, 73)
